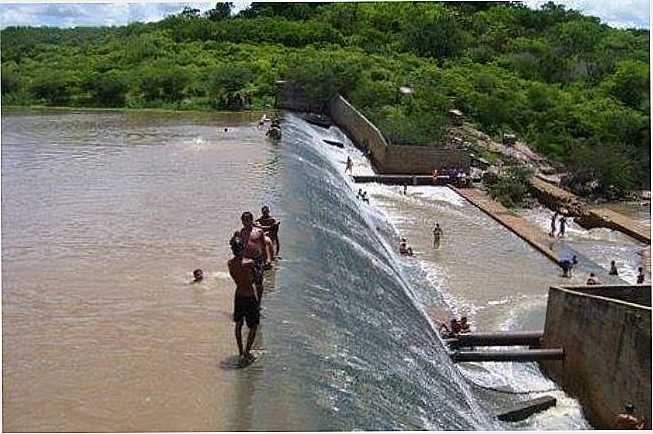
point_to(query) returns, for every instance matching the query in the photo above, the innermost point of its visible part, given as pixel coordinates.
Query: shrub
(512, 188)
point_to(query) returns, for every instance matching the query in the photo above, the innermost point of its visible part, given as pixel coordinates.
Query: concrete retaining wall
(395, 159)
(421, 160)
(607, 346)
(362, 132)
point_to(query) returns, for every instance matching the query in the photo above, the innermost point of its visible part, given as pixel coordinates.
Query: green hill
(573, 88)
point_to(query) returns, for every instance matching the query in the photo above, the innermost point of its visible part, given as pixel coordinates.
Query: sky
(71, 13)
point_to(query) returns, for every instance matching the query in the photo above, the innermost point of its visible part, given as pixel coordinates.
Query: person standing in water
(270, 226)
(640, 275)
(437, 235)
(613, 269)
(246, 301)
(255, 249)
(350, 165)
(563, 226)
(553, 224)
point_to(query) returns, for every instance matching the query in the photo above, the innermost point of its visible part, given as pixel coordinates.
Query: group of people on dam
(274, 131)
(254, 247)
(406, 250)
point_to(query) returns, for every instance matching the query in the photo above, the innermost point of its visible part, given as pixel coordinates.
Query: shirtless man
(270, 226)
(246, 301)
(255, 248)
(628, 420)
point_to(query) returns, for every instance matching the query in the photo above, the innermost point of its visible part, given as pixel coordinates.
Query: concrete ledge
(516, 224)
(525, 409)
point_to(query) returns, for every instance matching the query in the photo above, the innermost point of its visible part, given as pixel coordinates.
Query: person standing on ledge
(628, 420)
(437, 235)
(246, 302)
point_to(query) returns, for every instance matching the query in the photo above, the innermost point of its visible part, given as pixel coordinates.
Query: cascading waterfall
(343, 315)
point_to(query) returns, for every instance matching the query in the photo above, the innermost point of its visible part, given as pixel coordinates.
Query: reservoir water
(105, 215)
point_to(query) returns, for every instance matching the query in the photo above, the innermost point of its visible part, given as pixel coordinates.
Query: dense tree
(220, 12)
(575, 88)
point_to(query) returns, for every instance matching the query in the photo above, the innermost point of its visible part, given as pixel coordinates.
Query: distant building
(456, 117)
(509, 139)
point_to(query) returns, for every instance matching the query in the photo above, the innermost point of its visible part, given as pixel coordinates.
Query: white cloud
(69, 13)
(93, 13)
(616, 13)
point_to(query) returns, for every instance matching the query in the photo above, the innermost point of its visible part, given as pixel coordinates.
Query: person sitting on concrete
(454, 325)
(360, 193)
(404, 249)
(592, 280)
(640, 275)
(464, 325)
(568, 265)
(628, 420)
(613, 269)
(365, 198)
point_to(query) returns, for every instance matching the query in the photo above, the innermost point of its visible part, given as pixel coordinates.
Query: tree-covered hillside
(575, 89)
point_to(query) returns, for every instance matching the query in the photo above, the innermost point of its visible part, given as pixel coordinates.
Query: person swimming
(198, 276)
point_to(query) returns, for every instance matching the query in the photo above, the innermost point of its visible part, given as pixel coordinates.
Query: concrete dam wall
(606, 336)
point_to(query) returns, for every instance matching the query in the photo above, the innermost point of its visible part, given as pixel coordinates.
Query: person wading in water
(437, 236)
(246, 301)
(255, 249)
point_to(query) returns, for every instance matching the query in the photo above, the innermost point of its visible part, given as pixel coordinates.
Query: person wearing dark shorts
(246, 300)
(247, 308)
